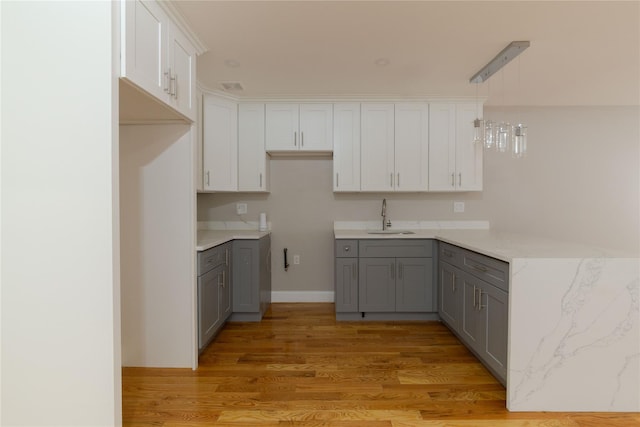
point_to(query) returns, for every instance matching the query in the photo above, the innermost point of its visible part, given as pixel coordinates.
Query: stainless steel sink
(390, 232)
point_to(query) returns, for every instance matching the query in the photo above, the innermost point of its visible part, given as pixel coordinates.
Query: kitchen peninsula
(573, 317)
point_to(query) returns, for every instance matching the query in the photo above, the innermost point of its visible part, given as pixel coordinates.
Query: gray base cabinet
(474, 298)
(214, 292)
(251, 278)
(384, 276)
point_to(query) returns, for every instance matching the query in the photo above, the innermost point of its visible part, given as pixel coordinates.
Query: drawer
(486, 268)
(346, 248)
(393, 248)
(211, 258)
(450, 254)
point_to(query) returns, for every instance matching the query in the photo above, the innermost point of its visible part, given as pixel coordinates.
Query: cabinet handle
(453, 180)
(172, 86)
(480, 268)
(475, 303)
(393, 271)
(398, 184)
(260, 179)
(347, 248)
(295, 139)
(480, 306)
(354, 271)
(460, 179)
(453, 282)
(400, 270)
(301, 139)
(337, 180)
(207, 177)
(165, 81)
(391, 179)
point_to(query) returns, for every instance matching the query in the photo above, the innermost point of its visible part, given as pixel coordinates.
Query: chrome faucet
(384, 214)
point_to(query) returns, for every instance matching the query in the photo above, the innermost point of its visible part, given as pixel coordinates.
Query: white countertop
(210, 238)
(500, 245)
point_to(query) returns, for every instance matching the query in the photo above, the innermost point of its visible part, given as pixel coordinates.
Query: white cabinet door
(468, 153)
(220, 144)
(253, 161)
(182, 69)
(442, 153)
(282, 127)
(316, 125)
(346, 147)
(144, 33)
(377, 148)
(411, 147)
(455, 162)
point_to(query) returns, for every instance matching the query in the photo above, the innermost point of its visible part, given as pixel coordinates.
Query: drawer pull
(480, 268)
(453, 282)
(347, 248)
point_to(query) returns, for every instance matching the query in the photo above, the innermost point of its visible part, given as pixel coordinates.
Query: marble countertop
(500, 245)
(210, 238)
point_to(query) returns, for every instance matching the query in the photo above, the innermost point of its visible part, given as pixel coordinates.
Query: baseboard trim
(302, 296)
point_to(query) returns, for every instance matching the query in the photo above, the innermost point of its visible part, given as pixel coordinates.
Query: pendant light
(478, 124)
(519, 137)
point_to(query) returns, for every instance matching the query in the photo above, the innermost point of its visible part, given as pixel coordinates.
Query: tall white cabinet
(346, 147)
(219, 144)
(455, 161)
(253, 160)
(377, 166)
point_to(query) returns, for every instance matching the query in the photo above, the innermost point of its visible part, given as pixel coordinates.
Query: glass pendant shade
(478, 131)
(504, 136)
(519, 140)
(489, 134)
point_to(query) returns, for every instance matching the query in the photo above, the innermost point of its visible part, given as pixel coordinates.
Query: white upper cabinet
(395, 147)
(253, 161)
(377, 162)
(411, 147)
(299, 127)
(346, 147)
(157, 57)
(219, 144)
(455, 161)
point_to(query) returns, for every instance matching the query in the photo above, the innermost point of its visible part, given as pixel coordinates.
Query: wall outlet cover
(241, 208)
(296, 259)
(458, 207)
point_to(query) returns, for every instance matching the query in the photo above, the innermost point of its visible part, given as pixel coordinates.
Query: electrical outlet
(296, 259)
(241, 208)
(458, 207)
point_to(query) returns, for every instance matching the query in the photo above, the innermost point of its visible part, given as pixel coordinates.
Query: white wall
(580, 182)
(60, 263)
(158, 246)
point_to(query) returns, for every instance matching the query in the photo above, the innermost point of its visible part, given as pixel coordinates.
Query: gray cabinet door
(450, 296)
(414, 285)
(264, 246)
(471, 319)
(376, 285)
(246, 276)
(494, 303)
(346, 285)
(208, 309)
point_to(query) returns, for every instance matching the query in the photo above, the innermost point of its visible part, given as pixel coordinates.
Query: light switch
(241, 208)
(458, 207)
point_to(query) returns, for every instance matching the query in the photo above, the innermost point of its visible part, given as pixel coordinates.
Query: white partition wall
(59, 220)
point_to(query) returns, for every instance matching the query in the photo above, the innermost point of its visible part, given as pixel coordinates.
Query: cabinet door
(414, 285)
(442, 151)
(468, 154)
(198, 152)
(144, 39)
(316, 127)
(377, 148)
(246, 276)
(376, 285)
(471, 327)
(281, 125)
(450, 296)
(346, 147)
(494, 310)
(253, 161)
(411, 147)
(220, 144)
(208, 306)
(346, 285)
(182, 63)
(264, 248)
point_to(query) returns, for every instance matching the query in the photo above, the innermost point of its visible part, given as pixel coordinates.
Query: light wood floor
(298, 367)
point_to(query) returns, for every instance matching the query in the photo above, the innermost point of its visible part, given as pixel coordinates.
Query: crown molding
(181, 22)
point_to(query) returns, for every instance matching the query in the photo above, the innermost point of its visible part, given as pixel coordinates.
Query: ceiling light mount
(503, 58)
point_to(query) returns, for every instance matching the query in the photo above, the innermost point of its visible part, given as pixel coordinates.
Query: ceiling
(581, 53)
